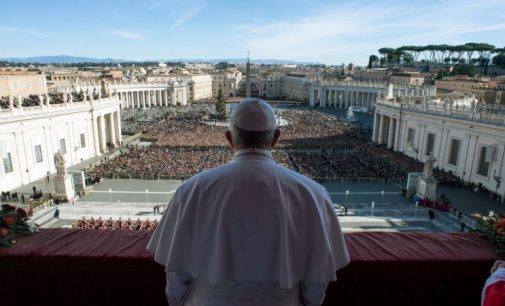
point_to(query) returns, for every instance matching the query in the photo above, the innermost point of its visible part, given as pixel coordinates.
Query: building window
(63, 146)
(454, 152)
(410, 137)
(484, 161)
(430, 144)
(7, 161)
(83, 141)
(38, 154)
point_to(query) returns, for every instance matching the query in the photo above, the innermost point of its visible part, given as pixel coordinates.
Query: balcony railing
(92, 267)
(438, 109)
(14, 112)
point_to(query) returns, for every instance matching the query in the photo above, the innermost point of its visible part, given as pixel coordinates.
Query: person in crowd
(249, 232)
(431, 214)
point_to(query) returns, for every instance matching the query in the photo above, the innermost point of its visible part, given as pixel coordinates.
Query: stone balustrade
(447, 110)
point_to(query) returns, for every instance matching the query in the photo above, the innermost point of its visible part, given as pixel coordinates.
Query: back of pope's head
(253, 125)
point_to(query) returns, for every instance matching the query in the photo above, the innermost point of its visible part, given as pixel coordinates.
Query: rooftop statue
(104, 90)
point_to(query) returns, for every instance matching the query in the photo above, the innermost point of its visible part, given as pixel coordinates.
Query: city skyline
(322, 31)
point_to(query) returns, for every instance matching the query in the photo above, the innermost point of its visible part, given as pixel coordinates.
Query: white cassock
(250, 232)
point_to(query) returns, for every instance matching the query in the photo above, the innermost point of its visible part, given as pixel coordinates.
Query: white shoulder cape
(232, 233)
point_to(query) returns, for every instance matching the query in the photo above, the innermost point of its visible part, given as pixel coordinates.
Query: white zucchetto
(253, 115)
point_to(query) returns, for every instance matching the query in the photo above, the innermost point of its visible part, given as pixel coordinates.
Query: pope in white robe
(249, 232)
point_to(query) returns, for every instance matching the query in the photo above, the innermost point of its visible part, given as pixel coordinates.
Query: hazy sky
(330, 32)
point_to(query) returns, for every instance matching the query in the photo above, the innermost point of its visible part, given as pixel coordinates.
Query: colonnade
(386, 130)
(348, 97)
(147, 98)
(107, 130)
(361, 95)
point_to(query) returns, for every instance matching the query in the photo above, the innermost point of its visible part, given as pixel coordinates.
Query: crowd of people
(318, 144)
(308, 129)
(128, 224)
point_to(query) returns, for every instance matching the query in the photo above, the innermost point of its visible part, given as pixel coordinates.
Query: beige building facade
(22, 83)
(406, 79)
(291, 87)
(199, 85)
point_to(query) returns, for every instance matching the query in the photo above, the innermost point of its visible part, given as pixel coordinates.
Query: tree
(387, 54)
(220, 106)
(499, 59)
(468, 70)
(442, 74)
(372, 60)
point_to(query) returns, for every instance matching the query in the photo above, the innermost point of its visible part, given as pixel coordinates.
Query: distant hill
(67, 59)
(59, 59)
(244, 60)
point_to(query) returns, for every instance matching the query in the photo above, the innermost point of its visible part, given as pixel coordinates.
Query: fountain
(349, 116)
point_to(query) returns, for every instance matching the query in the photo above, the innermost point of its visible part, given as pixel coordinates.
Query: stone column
(148, 98)
(312, 99)
(96, 137)
(375, 127)
(391, 133)
(124, 103)
(172, 97)
(101, 132)
(381, 129)
(143, 99)
(117, 126)
(397, 134)
(112, 129)
(323, 98)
